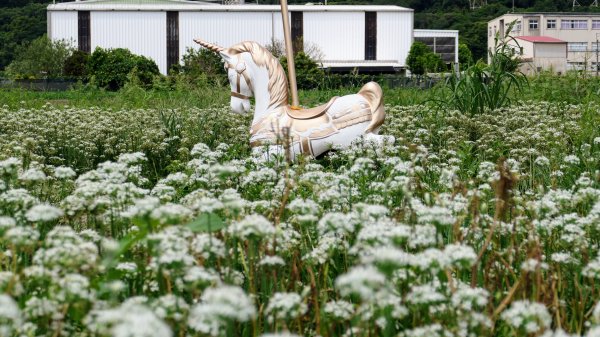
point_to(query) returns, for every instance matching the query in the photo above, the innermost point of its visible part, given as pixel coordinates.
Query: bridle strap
(240, 72)
(238, 95)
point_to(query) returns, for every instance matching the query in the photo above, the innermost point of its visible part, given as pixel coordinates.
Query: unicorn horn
(210, 46)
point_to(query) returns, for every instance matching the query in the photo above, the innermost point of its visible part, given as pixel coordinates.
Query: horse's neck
(262, 96)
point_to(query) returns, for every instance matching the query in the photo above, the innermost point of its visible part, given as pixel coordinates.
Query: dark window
(446, 48)
(83, 31)
(172, 39)
(297, 31)
(370, 36)
(443, 46)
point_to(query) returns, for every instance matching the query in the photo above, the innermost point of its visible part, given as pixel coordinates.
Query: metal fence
(329, 82)
(39, 85)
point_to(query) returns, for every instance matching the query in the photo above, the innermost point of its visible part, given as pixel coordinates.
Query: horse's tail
(374, 95)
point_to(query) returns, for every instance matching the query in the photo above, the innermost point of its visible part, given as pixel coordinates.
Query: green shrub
(76, 64)
(465, 57)
(414, 60)
(203, 66)
(421, 60)
(111, 68)
(308, 73)
(434, 63)
(41, 58)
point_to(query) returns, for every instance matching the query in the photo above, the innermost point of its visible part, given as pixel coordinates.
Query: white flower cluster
(129, 225)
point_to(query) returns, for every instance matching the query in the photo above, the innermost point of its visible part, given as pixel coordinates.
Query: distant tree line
(22, 21)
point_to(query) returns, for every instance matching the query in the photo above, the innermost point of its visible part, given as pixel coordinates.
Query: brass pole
(597, 46)
(290, 55)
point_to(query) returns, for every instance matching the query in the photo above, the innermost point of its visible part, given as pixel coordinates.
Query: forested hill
(24, 20)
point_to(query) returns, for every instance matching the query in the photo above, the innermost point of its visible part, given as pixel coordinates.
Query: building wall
(555, 65)
(143, 33)
(551, 50)
(551, 56)
(63, 26)
(392, 37)
(340, 35)
(227, 29)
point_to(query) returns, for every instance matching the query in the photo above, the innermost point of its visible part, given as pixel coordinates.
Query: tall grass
(485, 87)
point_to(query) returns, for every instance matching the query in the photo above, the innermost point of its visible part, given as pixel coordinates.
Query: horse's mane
(278, 85)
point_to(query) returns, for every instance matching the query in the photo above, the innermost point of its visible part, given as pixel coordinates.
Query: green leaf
(206, 222)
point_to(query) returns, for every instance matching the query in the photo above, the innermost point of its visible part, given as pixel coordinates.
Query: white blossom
(44, 213)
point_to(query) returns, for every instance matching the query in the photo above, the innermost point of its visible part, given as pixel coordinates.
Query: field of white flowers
(161, 224)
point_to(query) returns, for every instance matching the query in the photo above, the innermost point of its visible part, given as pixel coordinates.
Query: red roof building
(540, 53)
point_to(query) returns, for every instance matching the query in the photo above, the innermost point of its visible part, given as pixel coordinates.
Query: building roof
(540, 39)
(435, 33)
(186, 5)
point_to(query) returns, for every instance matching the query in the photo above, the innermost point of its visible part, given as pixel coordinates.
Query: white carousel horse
(253, 71)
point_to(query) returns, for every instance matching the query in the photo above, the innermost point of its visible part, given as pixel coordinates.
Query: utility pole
(474, 4)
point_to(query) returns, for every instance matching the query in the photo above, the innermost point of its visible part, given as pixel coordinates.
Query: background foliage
(202, 66)
(25, 20)
(423, 60)
(308, 73)
(40, 58)
(111, 67)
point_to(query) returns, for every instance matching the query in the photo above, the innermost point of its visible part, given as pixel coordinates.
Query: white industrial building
(366, 37)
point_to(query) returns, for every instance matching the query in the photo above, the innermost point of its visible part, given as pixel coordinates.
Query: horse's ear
(225, 56)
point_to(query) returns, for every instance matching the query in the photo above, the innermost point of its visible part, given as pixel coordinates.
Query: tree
(42, 58)
(414, 61)
(421, 59)
(434, 63)
(19, 26)
(111, 67)
(203, 64)
(465, 57)
(308, 73)
(76, 64)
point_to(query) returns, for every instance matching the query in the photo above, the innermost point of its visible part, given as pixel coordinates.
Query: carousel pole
(290, 55)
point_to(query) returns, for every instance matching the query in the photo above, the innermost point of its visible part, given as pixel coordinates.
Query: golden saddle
(309, 113)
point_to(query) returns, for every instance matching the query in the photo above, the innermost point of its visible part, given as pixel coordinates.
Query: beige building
(539, 53)
(580, 31)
